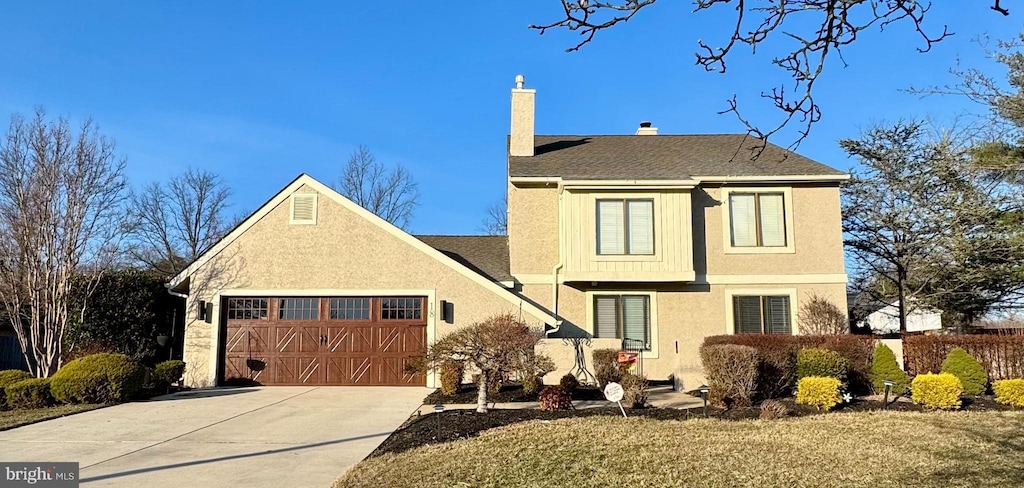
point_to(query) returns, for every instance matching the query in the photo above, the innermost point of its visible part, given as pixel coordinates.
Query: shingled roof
(660, 157)
(487, 255)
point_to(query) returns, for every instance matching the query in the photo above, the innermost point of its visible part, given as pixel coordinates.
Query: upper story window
(761, 314)
(757, 219)
(625, 226)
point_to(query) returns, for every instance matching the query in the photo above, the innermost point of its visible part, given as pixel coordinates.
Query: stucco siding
(817, 236)
(343, 253)
(532, 229)
(686, 314)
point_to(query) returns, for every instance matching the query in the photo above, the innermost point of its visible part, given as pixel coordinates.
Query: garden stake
(885, 403)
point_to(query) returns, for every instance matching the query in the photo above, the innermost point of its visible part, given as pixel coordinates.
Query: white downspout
(558, 266)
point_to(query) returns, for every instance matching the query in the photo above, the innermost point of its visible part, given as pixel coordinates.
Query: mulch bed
(454, 425)
(508, 393)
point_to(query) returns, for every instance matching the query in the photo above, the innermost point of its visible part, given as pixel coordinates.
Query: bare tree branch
(816, 29)
(495, 221)
(173, 224)
(391, 194)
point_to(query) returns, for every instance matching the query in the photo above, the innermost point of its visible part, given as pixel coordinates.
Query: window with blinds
(625, 226)
(761, 314)
(757, 219)
(623, 317)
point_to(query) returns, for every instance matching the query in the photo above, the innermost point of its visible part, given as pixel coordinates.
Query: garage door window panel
(401, 308)
(247, 308)
(299, 309)
(350, 309)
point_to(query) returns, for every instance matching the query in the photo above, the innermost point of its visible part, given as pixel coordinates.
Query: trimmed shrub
(606, 366)
(940, 391)
(531, 384)
(1001, 355)
(452, 373)
(169, 372)
(555, 398)
(821, 392)
(818, 362)
(1009, 392)
(634, 391)
(30, 393)
(569, 383)
(884, 367)
(9, 377)
(777, 354)
(98, 378)
(773, 410)
(968, 370)
(731, 371)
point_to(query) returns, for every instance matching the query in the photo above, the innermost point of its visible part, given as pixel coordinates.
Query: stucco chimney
(646, 129)
(521, 140)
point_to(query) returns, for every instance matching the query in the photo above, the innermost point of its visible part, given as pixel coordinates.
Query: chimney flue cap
(520, 79)
(645, 124)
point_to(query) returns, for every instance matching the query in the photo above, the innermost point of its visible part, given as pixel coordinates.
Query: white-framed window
(623, 317)
(757, 220)
(625, 226)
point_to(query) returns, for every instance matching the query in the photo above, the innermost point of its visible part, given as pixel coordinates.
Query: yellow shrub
(1009, 392)
(821, 392)
(941, 391)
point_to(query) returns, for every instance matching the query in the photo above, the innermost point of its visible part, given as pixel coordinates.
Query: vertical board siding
(673, 235)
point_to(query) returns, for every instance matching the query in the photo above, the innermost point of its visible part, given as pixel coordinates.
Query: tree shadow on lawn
(977, 468)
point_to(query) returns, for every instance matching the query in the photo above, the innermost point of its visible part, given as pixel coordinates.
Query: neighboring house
(654, 240)
(884, 317)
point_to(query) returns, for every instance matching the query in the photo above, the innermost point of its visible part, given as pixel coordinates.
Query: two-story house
(654, 242)
(647, 241)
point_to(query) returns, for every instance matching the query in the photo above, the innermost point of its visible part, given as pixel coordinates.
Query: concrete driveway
(251, 437)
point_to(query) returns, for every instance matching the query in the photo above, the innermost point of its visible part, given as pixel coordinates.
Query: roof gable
(311, 183)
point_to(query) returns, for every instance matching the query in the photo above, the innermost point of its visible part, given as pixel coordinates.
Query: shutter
(742, 218)
(610, 228)
(777, 315)
(747, 315)
(641, 226)
(773, 220)
(636, 320)
(606, 317)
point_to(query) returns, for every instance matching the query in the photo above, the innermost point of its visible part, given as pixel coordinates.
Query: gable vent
(303, 208)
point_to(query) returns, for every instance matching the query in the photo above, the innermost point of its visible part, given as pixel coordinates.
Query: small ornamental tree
(969, 371)
(498, 345)
(819, 316)
(884, 367)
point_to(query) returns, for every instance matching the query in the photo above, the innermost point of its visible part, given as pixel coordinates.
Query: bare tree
(390, 193)
(174, 224)
(495, 221)
(818, 315)
(61, 198)
(817, 30)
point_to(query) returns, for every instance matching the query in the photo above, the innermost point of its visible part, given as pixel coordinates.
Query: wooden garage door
(324, 340)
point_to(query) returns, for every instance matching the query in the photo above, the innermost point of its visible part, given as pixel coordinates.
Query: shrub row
(1002, 356)
(777, 358)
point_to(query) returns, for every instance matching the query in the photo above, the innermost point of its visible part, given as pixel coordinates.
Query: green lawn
(838, 449)
(10, 419)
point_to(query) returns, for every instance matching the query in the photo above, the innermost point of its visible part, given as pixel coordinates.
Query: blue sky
(262, 91)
